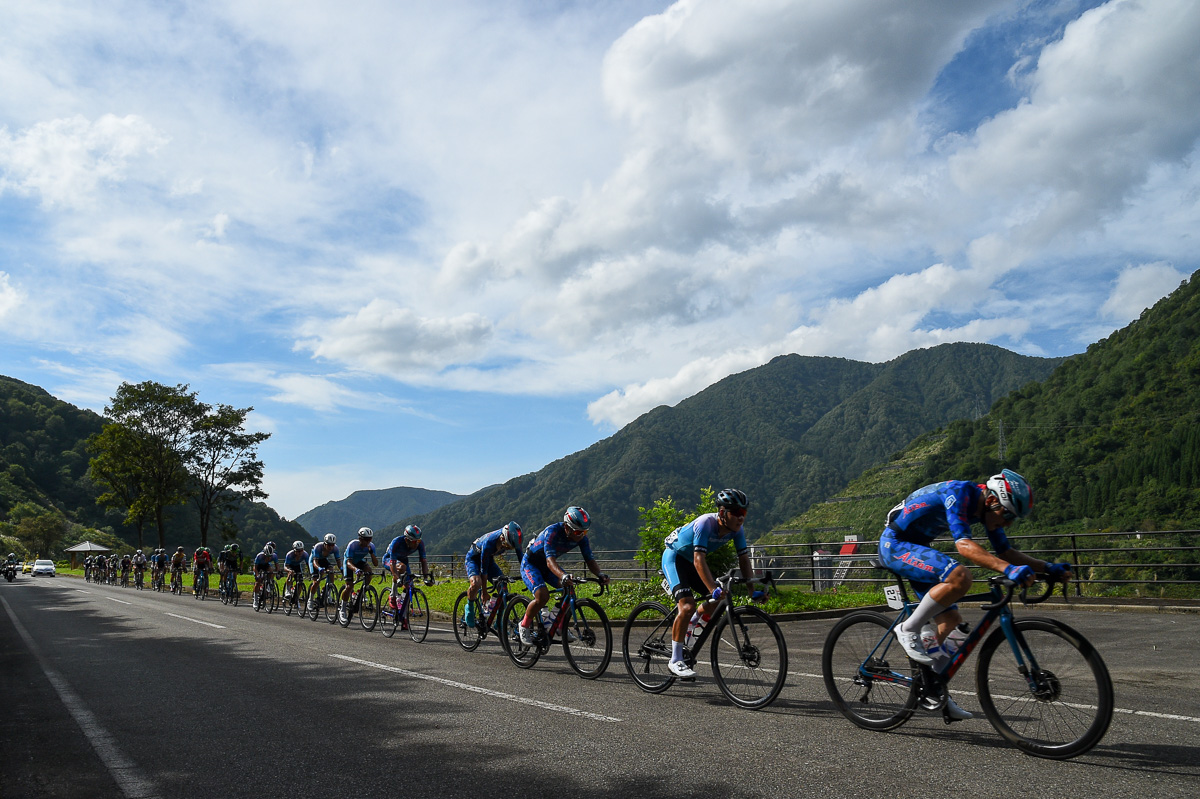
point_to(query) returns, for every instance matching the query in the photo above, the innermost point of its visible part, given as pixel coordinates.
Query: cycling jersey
(321, 553)
(294, 559)
(703, 534)
(481, 556)
(262, 561)
(550, 543)
(177, 560)
(399, 550)
(951, 506)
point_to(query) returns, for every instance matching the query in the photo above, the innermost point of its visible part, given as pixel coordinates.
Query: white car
(44, 568)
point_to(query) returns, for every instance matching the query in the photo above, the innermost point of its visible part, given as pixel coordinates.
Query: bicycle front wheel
(467, 635)
(368, 613)
(1058, 703)
(591, 649)
(749, 657)
(333, 598)
(646, 646)
(522, 655)
(867, 674)
(389, 616)
(418, 616)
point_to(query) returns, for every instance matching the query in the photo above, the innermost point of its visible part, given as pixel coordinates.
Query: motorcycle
(10, 572)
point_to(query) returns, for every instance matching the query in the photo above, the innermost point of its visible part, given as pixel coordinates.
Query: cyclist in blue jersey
(481, 563)
(265, 564)
(230, 564)
(395, 559)
(293, 567)
(357, 552)
(685, 565)
(540, 566)
(318, 564)
(954, 506)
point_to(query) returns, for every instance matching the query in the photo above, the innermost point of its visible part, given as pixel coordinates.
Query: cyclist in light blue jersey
(357, 552)
(318, 564)
(953, 507)
(540, 566)
(293, 567)
(265, 564)
(685, 565)
(481, 565)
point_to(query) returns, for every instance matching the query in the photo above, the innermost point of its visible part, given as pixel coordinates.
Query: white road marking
(485, 691)
(122, 601)
(123, 770)
(197, 621)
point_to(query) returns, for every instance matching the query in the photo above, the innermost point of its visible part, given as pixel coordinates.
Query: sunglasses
(737, 515)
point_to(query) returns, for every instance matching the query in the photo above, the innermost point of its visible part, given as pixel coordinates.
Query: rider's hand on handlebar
(717, 593)
(567, 578)
(1059, 572)
(1021, 575)
(758, 596)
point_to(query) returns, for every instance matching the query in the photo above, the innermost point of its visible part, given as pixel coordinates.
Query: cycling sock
(925, 611)
(677, 651)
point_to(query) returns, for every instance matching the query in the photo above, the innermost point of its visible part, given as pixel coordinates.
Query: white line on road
(81, 591)
(122, 769)
(487, 692)
(197, 621)
(122, 601)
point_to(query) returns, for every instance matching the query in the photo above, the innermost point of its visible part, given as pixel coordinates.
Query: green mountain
(790, 433)
(44, 460)
(375, 509)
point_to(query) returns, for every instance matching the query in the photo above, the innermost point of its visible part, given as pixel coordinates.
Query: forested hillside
(44, 462)
(375, 509)
(790, 433)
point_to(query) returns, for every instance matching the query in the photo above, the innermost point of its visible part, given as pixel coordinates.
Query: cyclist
(540, 566)
(178, 561)
(395, 560)
(87, 565)
(685, 565)
(139, 566)
(357, 552)
(318, 564)
(126, 565)
(293, 566)
(202, 563)
(158, 564)
(481, 565)
(939, 580)
(230, 564)
(264, 567)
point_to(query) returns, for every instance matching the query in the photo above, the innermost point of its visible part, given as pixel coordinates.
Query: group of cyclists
(905, 547)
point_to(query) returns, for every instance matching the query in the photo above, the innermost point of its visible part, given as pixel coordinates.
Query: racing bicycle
(1041, 684)
(748, 655)
(581, 624)
(323, 598)
(406, 611)
(364, 602)
(487, 619)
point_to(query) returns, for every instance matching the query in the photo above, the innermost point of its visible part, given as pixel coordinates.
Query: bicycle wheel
(223, 591)
(368, 612)
(315, 609)
(235, 593)
(523, 655)
(258, 599)
(298, 603)
(467, 636)
(867, 674)
(418, 616)
(389, 616)
(272, 596)
(646, 646)
(1058, 703)
(591, 650)
(344, 610)
(749, 657)
(332, 598)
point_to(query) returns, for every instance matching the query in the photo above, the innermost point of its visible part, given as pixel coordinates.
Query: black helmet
(732, 498)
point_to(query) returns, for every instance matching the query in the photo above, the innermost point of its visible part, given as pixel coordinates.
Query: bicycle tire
(1068, 709)
(591, 651)
(332, 597)
(344, 612)
(856, 664)
(647, 651)
(368, 611)
(522, 655)
(389, 617)
(235, 594)
(272, 596)
(468, 636)
(749, 658)
(418, 616)
(299, 601)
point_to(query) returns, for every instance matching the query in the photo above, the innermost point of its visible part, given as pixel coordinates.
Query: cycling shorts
(388, 560)
(475, 569)
(346, 567)
(260, 569)
(536, 572)
(318, 563)
(680, 571)
(923, 567)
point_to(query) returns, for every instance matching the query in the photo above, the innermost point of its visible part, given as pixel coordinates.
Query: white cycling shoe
(957, 713)
(913, 646)
(681, 670)
(527, 635)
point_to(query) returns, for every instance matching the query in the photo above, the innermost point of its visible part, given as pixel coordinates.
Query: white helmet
(330, 539)
(366, 532)
(298, 546)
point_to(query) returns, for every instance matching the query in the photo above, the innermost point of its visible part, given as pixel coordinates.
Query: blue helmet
(511, 535)
(577, 519)
(412, 533)
(1014, 493)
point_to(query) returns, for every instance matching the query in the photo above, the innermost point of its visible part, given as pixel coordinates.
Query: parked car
(44, 568)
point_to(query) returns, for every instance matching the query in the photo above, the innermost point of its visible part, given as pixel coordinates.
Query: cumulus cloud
(1139, 287)
(10, 296)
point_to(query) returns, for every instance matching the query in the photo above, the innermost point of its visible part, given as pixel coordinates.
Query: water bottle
(955, 640)
(491, 605)
(695, 626)
(933, 648)
(548, 617)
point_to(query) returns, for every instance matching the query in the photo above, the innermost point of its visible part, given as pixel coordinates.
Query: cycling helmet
(269, 548)
(298, 546)
(1014, 493)
(577, 519)
(178, 549)
(732, 498)
(234, 548)
(412, 533)
(139, 552)
(511, 535)
(330, 539)
(366, 532)
(271, 544)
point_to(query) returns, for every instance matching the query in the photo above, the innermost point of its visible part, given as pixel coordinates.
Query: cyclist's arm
(595, 567)
(700, 561)
(552, 564)
(747, 569)
(425, 572)
(981, 557)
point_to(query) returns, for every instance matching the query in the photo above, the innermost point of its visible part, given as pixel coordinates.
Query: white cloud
(1139, 287)
(10, 296)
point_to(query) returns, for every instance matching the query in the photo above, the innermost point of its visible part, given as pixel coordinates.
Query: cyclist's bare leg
(398, 570)
(477, 588)
(541, 598)
(687, 606)
(937, 601)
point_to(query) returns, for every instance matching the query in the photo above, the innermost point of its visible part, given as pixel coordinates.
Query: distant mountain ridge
(790, 433)
(377, 509)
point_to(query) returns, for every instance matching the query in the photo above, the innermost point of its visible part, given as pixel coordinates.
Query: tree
(224, 463)
(160, 420)
(115, 468)
(42, 533)
(663, 518)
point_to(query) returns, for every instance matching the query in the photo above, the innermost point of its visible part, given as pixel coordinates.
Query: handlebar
(603, 586)
(734, 577)
(1010, 586)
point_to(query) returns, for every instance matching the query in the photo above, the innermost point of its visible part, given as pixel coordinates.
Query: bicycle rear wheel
(523, 655)
(272, 596)
(389, 616)
(332, 598)
(418, 616)
(1061, 706)
(749, 657)
(867, 674)
(591, 650)
(368, 611)
(298, 602)
(467, 635)
(646, 646)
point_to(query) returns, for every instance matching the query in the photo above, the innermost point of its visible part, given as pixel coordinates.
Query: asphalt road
(110, 692)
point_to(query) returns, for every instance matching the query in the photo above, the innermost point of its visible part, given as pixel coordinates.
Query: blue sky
(444, 245)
